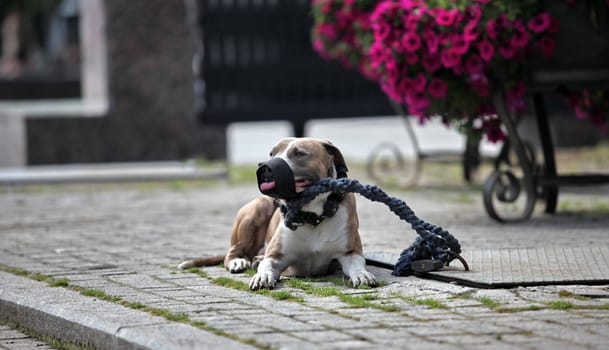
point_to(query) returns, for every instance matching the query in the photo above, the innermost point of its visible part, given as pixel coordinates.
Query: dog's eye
(299, 153)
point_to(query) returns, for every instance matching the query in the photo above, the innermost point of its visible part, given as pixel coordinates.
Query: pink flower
(326, 7)
(419, 82)
(327, 30)
(432, 40)
(547, 44)
(459, 44)
(411, 58)
(437, 88)
(507, 50)
(409, 4)
(392, 92)
(486, 50)
(474, 13)
(392, 70)
(514, 97)
(411, 21)
(580, 113)
(470, 32)
(318, 46)
(479, 83)
(417, 102)
(367, 71)
(504, 22)
(406, 86)
(446, 17)
(492, 28)
(411, 42)
(474, 65)
(381, 31)
(540, 23)
(450, 58)
(492, 129)
(517, 91)
(520, 38)
(431, 63)
(377, 52)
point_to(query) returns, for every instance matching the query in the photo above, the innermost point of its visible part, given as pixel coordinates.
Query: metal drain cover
(504, 268)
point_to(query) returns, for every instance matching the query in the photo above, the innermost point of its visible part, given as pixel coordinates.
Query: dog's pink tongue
(303, 183)
(265, 186)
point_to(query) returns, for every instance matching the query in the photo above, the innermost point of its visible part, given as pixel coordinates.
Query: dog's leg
(268, 273)
(354, 266)
(248, 234)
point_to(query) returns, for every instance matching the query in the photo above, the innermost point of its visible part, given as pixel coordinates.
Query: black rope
(433, 242)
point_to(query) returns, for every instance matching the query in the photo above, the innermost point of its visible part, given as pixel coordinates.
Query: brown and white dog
(310, 249)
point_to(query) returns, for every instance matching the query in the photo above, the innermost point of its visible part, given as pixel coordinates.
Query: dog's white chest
(312, 248)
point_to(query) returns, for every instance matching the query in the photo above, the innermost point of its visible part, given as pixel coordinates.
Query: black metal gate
(258, 64)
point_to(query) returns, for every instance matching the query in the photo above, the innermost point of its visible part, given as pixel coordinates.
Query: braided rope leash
(433, 241)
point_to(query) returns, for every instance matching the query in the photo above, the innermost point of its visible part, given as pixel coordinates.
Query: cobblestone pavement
(11, 339)
(118, 245)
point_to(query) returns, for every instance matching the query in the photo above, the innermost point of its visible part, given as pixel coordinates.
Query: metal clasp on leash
(429, 265)
(460, 258)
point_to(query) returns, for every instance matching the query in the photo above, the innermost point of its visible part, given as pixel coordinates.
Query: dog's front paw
(263, 280)
(238, 265)
(362, 278)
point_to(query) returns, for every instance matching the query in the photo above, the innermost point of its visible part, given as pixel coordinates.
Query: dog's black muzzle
(276, 179)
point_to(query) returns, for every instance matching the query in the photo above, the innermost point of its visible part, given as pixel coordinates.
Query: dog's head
(296, 163)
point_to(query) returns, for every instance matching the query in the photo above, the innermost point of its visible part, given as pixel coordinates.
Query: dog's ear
(339, 160)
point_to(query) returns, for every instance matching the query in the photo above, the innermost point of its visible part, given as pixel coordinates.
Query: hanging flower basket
(446, 58)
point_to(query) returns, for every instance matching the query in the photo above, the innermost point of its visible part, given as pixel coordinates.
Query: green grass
(242, 286)
(298, 283)
(432, 303)
(488, 302)
(198, 271)
(231, 283)
(242, 174)
(358, 301)
(61, 282)
(307, 285)
(101, 295)
(365, 301)
(324, 291)
(464, 295)
(171, 316)
(589, 205)
(566, 294)
(429, 302)
(507, 310)
(134, 305)
(51, 281)
(561, 305)
(285, 295)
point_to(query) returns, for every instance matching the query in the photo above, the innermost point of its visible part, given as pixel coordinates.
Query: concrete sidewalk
(104, 257)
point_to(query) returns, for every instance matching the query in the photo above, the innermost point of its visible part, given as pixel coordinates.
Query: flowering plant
(443, 57)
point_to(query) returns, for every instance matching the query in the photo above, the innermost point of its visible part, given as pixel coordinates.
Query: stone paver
(12, 339)
(125, 241)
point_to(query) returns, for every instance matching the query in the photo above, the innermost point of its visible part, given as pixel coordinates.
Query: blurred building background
(167, 77)
(108, 80)
(148, 48)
